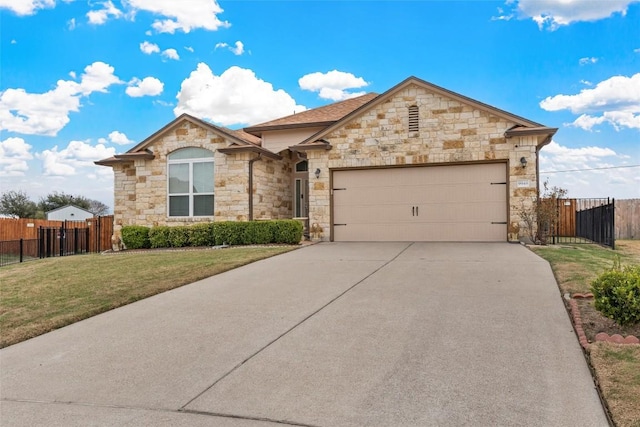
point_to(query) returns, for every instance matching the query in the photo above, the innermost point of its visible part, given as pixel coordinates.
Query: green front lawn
(39, 296)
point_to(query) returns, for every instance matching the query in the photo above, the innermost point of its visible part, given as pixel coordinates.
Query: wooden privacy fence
(628, 219)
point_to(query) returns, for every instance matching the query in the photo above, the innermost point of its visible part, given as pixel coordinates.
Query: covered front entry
(463, 203)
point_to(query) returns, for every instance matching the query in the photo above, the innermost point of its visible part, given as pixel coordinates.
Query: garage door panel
(438, 203)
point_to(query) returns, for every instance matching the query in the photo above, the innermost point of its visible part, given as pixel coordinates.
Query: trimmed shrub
(231, 233)
(258, 232)
(178, 236)
(616, 294)
(135, 236)
(159, 237)
(201, 235)
(287, 231)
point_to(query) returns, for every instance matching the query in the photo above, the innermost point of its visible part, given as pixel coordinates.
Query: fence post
(21, 248)
(613, 223)
(98, 235)
(61, 239)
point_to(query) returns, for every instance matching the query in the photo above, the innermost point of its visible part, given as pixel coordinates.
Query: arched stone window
(190, 182)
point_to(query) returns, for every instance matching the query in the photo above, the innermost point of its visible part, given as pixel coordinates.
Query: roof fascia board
(250, 149)
(191, 119)
(431, 87)
(257, 131)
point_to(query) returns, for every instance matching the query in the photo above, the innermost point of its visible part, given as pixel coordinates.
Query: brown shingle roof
(318, 116)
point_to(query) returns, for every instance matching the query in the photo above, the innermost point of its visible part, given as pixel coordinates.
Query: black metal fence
(51, 242)
(585, 221)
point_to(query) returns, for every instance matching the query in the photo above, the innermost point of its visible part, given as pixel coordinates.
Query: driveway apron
(335, 334)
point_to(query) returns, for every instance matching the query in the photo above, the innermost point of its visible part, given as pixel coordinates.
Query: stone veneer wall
(272, 189)
(449, 132)
(141, 186)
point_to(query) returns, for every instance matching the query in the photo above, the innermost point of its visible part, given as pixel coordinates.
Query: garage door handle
(414, 211)
(417, 211)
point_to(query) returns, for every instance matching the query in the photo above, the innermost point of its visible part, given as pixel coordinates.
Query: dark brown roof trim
(233, 149)
(126, 158)
(522, 131)
(317, 145)
(256, 130)
(145, 155)
(437, 89)
(233, 135)
(110, 161)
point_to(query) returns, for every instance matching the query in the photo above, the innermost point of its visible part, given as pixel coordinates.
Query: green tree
(17, 203)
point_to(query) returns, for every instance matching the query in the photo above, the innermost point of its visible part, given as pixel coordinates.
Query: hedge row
(213, 234)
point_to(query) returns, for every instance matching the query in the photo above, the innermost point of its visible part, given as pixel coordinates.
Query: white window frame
(191, 194)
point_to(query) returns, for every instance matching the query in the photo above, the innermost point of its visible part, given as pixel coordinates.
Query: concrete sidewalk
(329, 335)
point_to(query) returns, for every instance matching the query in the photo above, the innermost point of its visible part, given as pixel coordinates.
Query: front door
(300, 193)
(301, 202)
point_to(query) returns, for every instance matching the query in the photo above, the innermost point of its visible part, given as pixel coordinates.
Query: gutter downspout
(251, 162)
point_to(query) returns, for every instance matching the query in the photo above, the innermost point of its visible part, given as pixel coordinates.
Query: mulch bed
(593, 322)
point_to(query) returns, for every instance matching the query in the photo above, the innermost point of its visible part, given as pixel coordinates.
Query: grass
(40, 296)
(576, 265)
(617, 367)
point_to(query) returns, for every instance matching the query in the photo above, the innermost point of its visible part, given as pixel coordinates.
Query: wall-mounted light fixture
(317, 173)
(523, 162)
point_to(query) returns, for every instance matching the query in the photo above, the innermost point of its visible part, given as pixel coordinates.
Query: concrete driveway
(335, 334)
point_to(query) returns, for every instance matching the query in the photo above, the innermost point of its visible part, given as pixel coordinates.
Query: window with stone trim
(190, 182)
(414, 119)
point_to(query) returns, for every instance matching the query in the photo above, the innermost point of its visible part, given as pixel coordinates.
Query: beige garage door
(461, 203)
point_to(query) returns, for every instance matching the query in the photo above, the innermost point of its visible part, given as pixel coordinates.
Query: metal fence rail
(51, 242)
(597, 224)
(585, 221)
(13, 251)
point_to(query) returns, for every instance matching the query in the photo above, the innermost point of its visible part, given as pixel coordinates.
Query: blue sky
(82, 80)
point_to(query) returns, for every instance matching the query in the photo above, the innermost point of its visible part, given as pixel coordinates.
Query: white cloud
(14, 153)
(237, 48)
(199, 14)
(149, 86)
(189, 48)
(587, 60)
(636, 50)
(99, 17)
(586, 176)
(14, 41)
(171, 54)
(26, 7)
(149, 48)
(47, 113)
(332, 85)
(162, 103)
(68, 161)
(97, 77)
(617, 99)
(551, 14)
(71, 24)
(237, 96)
(119, 138)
